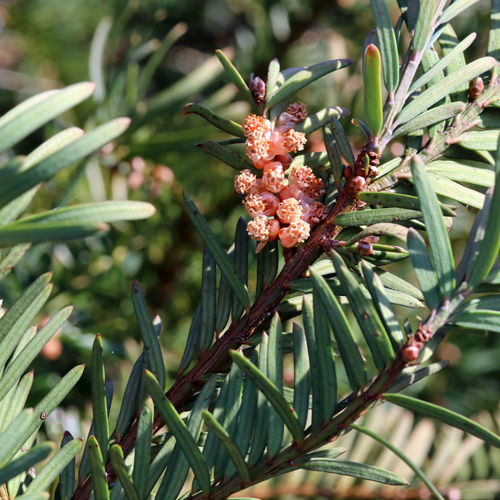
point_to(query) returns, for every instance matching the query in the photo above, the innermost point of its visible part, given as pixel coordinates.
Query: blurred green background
(140, 54)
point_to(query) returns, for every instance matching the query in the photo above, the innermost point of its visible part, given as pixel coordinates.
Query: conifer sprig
(279, 197)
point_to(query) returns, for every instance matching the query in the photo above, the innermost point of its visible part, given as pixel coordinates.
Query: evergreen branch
(356, 407)
(213, 360)
(240, 331)
(297, 262)
(438, 144)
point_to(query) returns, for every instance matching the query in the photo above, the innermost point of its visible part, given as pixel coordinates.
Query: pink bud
(274, 227)
(356, 185)
(410, 353)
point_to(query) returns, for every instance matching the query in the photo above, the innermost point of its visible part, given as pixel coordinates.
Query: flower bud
(410, 353)
(364, 248)
(356, 185)
(476, 87)
(258, 89)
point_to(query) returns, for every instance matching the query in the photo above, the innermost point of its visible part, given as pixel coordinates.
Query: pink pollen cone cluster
(280, 207)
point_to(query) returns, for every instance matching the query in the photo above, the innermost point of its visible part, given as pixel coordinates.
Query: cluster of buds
(365, 166)
(415, 344)
(281, 206)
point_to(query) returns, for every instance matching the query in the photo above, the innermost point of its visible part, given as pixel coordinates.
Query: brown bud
(476, 87)
(374, 159)
(364, 248)
(367, 161)
(258, 89)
